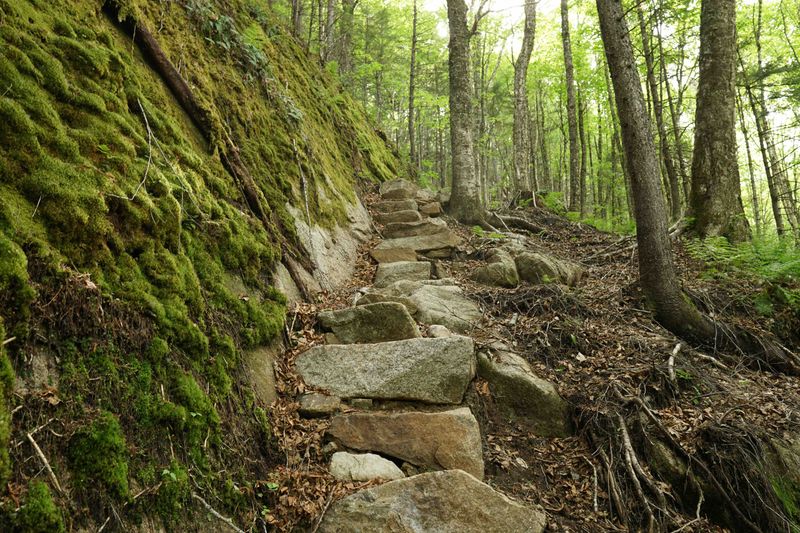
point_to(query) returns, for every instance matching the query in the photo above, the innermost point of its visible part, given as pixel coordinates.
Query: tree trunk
(345, 54)
(297, 18)
(411, 87)
(582, 135)
(521, 113)
(657, 274)
(716, 199)
(465, 203)
(572, 119)
(669, 165)
(330, 40)
(750, 166)
(547, 182)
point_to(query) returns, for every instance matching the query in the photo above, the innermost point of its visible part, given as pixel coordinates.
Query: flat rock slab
(441, 502)
(379, 322)
(425, 370)
(523, 396)
(428, 226)
(443, 242)
(542, 268)
(433, 209)
(393, 206)
(399, 216)
(398, 190)
(440, 441)
(363, 467)
(393, 255)
(388, 273)
(315, 405)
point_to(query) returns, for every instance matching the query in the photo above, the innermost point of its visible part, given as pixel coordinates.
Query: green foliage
(788, 493)
(6, 388)
(38, 513)
(98, 456)
(554, 201)
(173, 494)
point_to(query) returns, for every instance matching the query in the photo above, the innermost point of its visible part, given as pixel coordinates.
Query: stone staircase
(407, 423)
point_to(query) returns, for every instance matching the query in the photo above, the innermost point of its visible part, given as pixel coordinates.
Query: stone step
(363, 467)
(398, 190)
(393, 206)
(438, 245)
(431, 440)
(430, 303)
(445, 502)
(388, 273)
(399, 216)
(393, 255)
(425, 370)
(429, 226)
(379, 322)
(432, 209)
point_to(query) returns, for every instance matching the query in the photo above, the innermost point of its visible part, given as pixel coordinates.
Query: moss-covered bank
(119, 225)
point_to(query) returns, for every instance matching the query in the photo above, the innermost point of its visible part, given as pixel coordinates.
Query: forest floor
(607, 357)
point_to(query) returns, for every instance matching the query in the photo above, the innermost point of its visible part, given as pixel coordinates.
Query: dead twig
(215, 513)
(46, 463)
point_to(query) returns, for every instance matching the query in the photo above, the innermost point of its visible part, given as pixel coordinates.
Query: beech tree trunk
(465, 203)
(572, 119)
(657, 274)
(716, 199)
(521, 112)
(750, 165)
(582, 135)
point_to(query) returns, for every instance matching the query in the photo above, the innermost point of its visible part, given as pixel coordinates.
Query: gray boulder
(398, 190)
(541, 268)
(522, 396)
(439, 244)
(440, 441)
(500, 270)
(399, 216)
(388, 273)
(378, 322)
(426, 370)
(393, 206)
(363, 467)
(441, 502)
(429, 226)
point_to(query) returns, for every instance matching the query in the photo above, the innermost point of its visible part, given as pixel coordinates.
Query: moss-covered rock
(98, 456)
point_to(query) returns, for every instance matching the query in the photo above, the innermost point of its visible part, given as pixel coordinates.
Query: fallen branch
(215, 513)
(9, 340)
(46, 463)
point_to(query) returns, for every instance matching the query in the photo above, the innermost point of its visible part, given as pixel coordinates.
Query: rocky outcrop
(541, 268)
(522, 396)
(441, 441)
(363, 467)
(499, 271)
(444, 502)
(426, 370)
(379, 322)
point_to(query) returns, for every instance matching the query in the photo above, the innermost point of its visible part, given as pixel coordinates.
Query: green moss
(98, 456)
(39, 513)
(6, 388)
(788, 492)
(174, 493)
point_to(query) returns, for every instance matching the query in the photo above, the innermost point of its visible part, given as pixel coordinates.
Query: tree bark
(657, 274)
(330, 35)
(411, 87)
(521, 112)
(582, 136)
(572, 120)
(465, 205)
(716, 199)
(669, 165)
(345, 54)
(750, 166)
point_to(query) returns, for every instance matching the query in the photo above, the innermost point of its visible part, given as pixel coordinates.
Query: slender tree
(411, 87)
(572, 114)
(465, 204)
(716, 199)
(522, 133)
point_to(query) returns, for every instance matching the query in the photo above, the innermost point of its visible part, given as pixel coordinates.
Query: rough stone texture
(393, 255)
(399, 216)
(444, 243)
(433, 209)
(261, 373)
(442, 441)
(424, 197)
(429, 226)
(378, 322)
(500, 270)
(393, 206)
(314, 404)
(439, 332)
(388, 273)
(430, 302)
(331, 251)
(285, 284)
(427, 370)
(363, 467)
(398, 190)
(540, 268)
(441, 502)
(522, 396)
